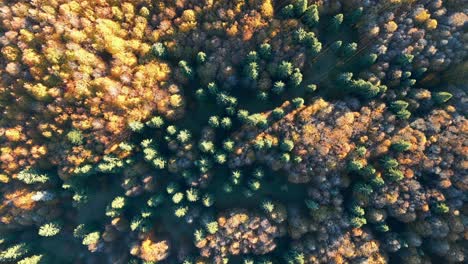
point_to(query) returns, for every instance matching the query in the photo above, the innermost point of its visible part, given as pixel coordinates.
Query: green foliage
(184, 136)
(226, 123)
(155, 122)
(181, 211)
(278, 87)
(285, 157)
(349, 49)
(441, 208)
(287, 145)
(258, 120)
(201, 57)
(288, 11)
(401, 145)
(208, 200)
(251, 71)
(265, 51)
(296, 78)
(405, 59)
(136, 126)
(300, 6)
(206, 146)
(75, 137)
(14, 252)
(278, 113)
(31, 176)
(336, 22)
(311, 88)
(297, 102)
(311, 16)
(35, 259)
(358, 222)
(192, 195)
(394, 175)
(212, 227)
(213, 121)
(158, 50)
(382, 228)
(91, 238)
(177, 197)
(228, 145)
(442, 97)
(285, 69)
(49, 229)
(186, 69)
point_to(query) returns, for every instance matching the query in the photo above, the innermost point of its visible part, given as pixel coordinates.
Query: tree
(192, 195)
(278, 87)
(226, 123)
(401, 145)
(300, 6)
(251, 71)
(206, 146)
(311, 88)
(297, 102)
(265, 51)
(311, 16)
(31, 176)
(296, 78)
(158, 50)
(288, 11)
(284, 70)
(155, 122)
(212, 227)
(208, 200)
(336, 22)
(49, 229)
(278, 113)
(186, 69)
(201, 57)
(213, 121)
(91, 238)
(75, 137)
(13, 252)
(177, 197)
(442, 97)
(349, 49)
(358, 222)
(228, 145)
(35, 259)
(287, 145)
(183, 136)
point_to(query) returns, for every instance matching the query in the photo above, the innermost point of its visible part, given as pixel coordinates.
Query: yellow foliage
(391, 26)
(13, 134)
(4, 178)
(39, 91)
(10, 53)
(267, 9)
(26, 36)
(77, 36)
(31, 58)
(431, 24)
(189, 15)
(175, 100)
(422, 16)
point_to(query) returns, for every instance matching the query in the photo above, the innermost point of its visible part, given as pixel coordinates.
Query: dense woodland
(233, 131)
